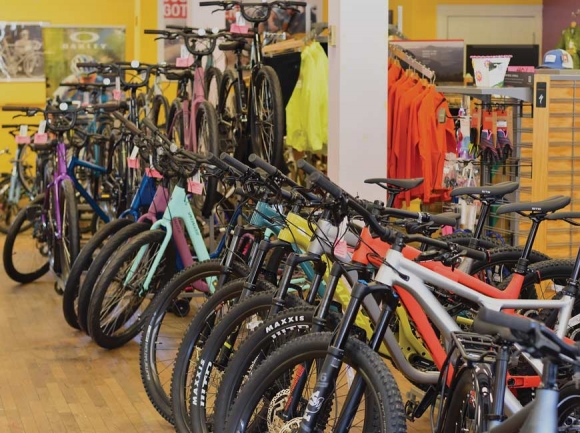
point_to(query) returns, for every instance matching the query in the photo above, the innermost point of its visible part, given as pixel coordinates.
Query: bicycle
(399, 272)
(192, 120)
(16, 189)
(144, 254)
(251, 120)
(12, 61)
(482, 360)
(53, 214)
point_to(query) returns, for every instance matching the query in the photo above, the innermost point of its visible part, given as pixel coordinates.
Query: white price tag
(340, 247)
(184, 52)
(42, 127)
(23, 131)
(86, 98)
(134, 152)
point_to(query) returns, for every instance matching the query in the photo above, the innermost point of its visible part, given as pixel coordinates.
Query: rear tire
(98, 266)
(70, 244)
(267, 125)
(81, 265)
(33, 210)
(111, 326)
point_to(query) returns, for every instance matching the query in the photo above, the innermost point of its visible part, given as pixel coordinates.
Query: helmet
(82, 58)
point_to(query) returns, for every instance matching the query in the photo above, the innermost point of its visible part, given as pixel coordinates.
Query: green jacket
(570, 40)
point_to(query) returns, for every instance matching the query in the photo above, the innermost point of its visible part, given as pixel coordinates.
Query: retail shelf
(521, 93)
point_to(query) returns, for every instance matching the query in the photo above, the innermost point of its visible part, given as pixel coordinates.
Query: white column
(198, 16)
(357, 148)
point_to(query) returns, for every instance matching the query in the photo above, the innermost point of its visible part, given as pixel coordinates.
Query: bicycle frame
(15, 186)
(190, 107)
(76, 162)
(59, 176)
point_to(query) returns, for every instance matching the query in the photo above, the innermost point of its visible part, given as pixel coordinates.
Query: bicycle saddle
(400, 184)
(496, 191)
(551, 204)
(235, 45)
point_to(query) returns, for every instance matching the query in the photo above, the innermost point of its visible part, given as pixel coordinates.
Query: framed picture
(21, 52)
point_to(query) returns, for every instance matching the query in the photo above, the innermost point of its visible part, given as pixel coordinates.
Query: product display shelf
(518, 166)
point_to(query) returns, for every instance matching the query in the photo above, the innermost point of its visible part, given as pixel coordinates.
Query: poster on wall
(171, 12)
(21, 56)
(291, 20)
(445, 57)
(67, 46)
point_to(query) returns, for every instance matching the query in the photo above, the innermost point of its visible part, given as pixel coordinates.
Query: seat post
(523, 262)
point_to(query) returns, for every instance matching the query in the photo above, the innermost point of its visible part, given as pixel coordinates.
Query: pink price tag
(236, 28)
(183, 62)
(132, 162)
(117, 95)
(340, 249)
(153, 173)
(194, 187)
(40, 138)
(22, 139)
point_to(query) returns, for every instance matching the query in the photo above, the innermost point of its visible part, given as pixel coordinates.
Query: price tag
(185, 61)
(340, 247)
(41, 137)
(151, 172)
(86, 99)
(239, 28)
(117, 90)
(22, 137)
(23, 131)
(194, 184)
(132, 160)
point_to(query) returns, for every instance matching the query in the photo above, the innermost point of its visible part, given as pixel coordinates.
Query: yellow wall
(420, 16)
(74, 12)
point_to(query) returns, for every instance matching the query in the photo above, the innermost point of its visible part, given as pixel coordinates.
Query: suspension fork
(333, 362)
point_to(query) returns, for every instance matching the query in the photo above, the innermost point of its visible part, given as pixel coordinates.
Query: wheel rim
(265, 121)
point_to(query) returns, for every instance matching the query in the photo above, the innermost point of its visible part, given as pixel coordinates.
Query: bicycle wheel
(198, 331)
(70, 244)
(267, 117)
(229, 113)
(207, 141)
(97, 266)
(160, 112)
(119, 302)
(470, 401)
(569, 408)
(175, 127)
(221, 345)
(261, 404)
(170, 314)
(213, 77)
(267, 338)
(8, 209)
(80, 267)
(25, 254)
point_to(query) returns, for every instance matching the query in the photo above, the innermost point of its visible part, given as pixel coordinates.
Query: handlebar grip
(15, 108)
(128, 124)
(214, 160)
(510, 321)
(293, 3)
(111, 106)
(306, 167)
(260, 163)
(155, 32)
(326, 184)
(445, 219)
(149, 124)
(88, 65)
(211, 3)
(239, 166)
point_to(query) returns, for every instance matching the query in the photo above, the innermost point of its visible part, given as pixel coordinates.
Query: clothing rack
(413, 63)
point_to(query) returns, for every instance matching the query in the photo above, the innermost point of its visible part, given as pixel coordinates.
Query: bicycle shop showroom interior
(344, 215)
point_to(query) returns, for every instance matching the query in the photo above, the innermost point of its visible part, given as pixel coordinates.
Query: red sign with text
(175, 8)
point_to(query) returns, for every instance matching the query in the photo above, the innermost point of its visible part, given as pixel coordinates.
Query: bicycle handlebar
(228, 5)
(20, 109)
(237, 165)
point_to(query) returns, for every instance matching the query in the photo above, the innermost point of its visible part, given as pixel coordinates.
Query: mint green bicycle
(141, 268)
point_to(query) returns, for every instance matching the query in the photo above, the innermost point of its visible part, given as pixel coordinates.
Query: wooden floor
(53, 379)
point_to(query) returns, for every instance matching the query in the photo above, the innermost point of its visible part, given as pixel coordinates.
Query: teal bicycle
(142, 267)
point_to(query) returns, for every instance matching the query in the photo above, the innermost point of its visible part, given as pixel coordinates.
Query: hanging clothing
(420, 133)
(307, 110)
